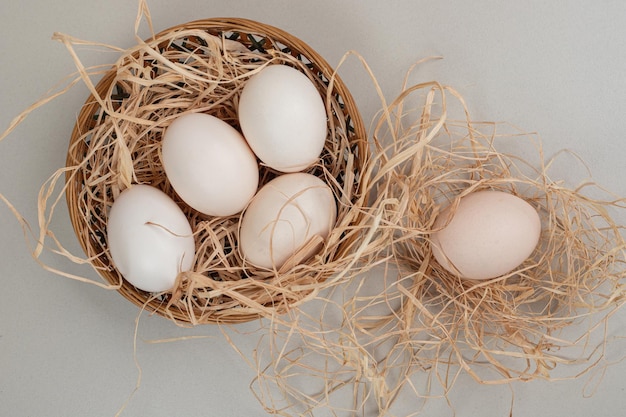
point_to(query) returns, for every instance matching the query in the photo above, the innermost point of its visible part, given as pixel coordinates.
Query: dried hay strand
(385, 346)
(199, 66)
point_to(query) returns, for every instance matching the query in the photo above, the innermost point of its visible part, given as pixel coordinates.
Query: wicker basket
(241, 295)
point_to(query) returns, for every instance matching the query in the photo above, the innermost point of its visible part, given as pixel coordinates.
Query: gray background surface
(66, 349)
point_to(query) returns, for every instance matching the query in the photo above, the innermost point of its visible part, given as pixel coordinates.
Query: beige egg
(150, 238)
(283, 118)
(490, 234)
(209, 164)
(284, 216)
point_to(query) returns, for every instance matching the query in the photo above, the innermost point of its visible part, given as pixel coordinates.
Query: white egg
(285, 215)
(283, 118)
(209, 164)
(149, 238)
(490, 234)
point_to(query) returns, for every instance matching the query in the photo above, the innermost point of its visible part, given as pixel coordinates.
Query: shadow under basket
(222, 288)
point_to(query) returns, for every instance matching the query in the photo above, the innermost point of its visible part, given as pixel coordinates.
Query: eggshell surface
(283, 118)
(209, 164)
(284, 215)
(490, 234)
(149, 238)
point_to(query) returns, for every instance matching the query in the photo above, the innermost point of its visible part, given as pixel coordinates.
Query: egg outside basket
(115, 142)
